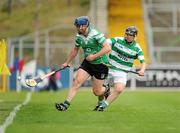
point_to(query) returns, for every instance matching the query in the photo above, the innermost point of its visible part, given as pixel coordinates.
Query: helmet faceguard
(132, 31)
(83, 20)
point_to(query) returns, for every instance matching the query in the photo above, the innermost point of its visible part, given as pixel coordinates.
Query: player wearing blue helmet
(95, 48)
(83, 20)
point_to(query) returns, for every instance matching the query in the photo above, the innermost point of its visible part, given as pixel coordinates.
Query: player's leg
(118, 88)
(100, 73)
(103, 97)
(81, 76)
(98, 90)
(120, 79)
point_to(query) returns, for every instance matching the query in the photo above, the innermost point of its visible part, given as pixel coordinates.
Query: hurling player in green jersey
(95, 47)
(124, 51)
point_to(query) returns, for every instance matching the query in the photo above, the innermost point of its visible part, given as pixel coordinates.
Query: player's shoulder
(94, 32)
(117, 39)
(77, 36)
(137, 45)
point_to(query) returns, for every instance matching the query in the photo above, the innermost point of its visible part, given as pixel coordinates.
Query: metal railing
(162, 28)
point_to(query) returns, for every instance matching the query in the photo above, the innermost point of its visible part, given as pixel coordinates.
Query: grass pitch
(132, 112)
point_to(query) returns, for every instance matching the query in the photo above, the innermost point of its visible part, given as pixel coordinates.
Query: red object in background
(20, 65)
(17, 65)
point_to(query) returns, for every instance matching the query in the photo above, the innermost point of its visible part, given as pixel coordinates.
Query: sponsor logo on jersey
(122, 57)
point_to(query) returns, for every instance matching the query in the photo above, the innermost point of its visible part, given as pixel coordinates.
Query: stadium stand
(122, 14)
(164, 21)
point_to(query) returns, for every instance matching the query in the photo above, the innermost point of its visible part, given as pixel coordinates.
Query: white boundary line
(12, 114)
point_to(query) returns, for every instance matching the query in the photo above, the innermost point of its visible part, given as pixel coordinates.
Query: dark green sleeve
(78, 41)
(113, 40)
(141, 57)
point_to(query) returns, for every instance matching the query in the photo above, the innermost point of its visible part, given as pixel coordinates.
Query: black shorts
(99, 71)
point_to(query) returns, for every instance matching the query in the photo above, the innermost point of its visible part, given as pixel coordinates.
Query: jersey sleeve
(112, 41)
(140, 55)
(78, 41)
(109, 41)
(100, 38)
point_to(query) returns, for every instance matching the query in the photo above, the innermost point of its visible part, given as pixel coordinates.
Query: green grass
(133, 112)
(7, 102)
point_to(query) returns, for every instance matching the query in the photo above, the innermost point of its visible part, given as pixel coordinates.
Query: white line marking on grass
(12, 114)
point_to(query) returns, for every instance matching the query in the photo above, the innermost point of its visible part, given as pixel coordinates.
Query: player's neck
(129, 43)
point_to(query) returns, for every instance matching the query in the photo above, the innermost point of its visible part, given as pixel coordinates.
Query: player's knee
(97, 92)
(118, 90)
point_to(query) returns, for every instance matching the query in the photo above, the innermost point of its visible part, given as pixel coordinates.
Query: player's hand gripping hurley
(35, 81)
(135, 72)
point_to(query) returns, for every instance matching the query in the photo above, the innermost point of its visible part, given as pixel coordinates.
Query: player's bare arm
(71, 56)
(142, 69)
(106, 49)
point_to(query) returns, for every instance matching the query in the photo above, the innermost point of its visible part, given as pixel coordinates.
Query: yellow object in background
(125, 13)
(4, 70)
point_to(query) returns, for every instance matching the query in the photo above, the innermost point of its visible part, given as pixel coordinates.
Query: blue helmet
(83, 20)
(131, 30)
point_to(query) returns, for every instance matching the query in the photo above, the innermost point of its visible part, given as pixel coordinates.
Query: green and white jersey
(123, 54)
(92, 44)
